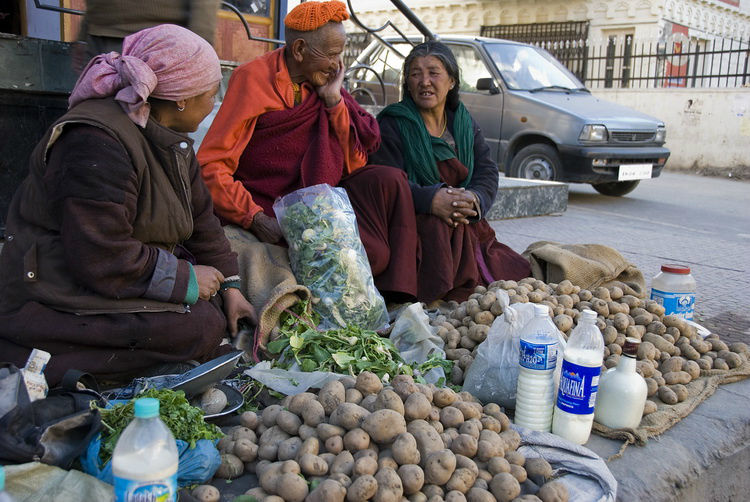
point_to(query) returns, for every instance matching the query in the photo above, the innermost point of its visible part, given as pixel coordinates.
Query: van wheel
(536, 162)
(616, 188)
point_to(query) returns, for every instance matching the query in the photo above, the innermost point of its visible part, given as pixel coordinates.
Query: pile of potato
(359, 440)
(671, 353)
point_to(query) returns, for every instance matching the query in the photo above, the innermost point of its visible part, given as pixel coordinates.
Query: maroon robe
(454, 261)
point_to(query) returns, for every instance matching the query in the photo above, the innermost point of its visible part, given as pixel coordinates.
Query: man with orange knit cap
(287, 123)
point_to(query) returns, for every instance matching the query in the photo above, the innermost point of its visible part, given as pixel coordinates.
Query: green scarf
(425, 151)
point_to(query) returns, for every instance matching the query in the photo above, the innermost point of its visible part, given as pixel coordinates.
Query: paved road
(677, 218)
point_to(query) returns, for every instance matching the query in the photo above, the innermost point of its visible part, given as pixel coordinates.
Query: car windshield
(528, 68)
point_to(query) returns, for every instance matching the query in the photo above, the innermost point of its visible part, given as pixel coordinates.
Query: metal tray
(200, 378)
(234, 400)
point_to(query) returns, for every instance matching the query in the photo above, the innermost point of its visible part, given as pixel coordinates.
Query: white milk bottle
(144, 462)
(535, 394)
(579, 379)
(622, 391)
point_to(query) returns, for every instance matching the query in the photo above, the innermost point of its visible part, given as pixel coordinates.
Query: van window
(471, 65)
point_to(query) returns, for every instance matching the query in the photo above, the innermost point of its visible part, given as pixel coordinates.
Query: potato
(368, 383)
(512, 439)
(667, 395)
(344, 463)
(404, 449)
(433, 491)
(733, 359)
(331, 395)
(291, 488)
(563, 322)
(342, 478)
(444, 397)
(369, 401)
(231, 467)
(328, 490)
(720, 364)
(206, 493)
(450, 416)
(349, 415)
(479, 495)
(427, 438)
(649, 408)
(249, 419)
(365, 466)
(518, 472)
(652, 386)
(461, 480)
(269, 415)
(465, 445)
(439, 467)
(240, 432)
(288, 449)
(334, 444)
(390, 488)
(417, 406)
(404, 388)
(496, 465)
(454, 496)
(312, 465)
(363, 488)
(515, 457)
(384, 425)
(326, 431)
(353, 396)
(312, 413)
(213, 401)
(675, 377)
(356, 439)
(245, 450)
(388, 399)
(554, 491)
(505, 487)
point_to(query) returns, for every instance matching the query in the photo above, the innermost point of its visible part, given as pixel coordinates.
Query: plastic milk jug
(145, 459)
(579, 379)
(535, 393)
(674, 289)
(622, 391)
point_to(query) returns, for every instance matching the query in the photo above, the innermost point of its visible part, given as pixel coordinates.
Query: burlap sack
(267, 282)
(585, 265)
(667, 415)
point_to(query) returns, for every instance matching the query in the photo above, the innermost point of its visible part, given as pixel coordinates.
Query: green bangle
(230, 284)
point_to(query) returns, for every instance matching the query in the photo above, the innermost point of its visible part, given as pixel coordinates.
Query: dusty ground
(741, 173)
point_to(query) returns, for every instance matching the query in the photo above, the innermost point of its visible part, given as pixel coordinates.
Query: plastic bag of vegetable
(327, 256)
(417, 341)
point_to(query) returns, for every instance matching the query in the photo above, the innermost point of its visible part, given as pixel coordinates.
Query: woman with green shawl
(431, 136)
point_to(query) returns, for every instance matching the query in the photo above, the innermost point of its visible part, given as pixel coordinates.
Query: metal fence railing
(622, 62)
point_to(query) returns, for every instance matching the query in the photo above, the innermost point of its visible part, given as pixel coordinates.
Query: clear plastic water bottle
(4, 496)
(579, 381)
(535, 394)
(145, 459)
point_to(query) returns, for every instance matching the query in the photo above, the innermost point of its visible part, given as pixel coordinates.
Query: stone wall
(706, 128)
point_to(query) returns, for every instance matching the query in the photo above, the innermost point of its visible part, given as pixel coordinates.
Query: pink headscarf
(167, 62)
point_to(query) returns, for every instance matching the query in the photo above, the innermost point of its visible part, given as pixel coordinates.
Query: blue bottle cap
(146, 407)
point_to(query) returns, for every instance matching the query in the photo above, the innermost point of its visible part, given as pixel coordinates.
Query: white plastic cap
(589, 315)
(540, 310)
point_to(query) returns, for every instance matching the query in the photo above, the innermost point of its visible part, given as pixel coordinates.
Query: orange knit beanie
(309, 16)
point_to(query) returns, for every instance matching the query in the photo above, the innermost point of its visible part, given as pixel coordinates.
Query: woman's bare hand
(454, 206)
(237, 307)
(209, 280)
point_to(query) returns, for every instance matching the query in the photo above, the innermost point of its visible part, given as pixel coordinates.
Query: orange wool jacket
(260, 86)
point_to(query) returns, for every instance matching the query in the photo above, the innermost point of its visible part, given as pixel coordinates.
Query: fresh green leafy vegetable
(349, 350)
(184, 420)
(328, 257)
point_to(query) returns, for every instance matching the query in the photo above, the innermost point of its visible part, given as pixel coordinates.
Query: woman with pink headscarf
(114, 261)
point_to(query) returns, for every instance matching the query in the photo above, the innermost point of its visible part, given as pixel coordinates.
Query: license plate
(634, 172)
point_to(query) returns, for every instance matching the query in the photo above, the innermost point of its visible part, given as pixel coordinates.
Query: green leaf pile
(328, 257)
(184, 420)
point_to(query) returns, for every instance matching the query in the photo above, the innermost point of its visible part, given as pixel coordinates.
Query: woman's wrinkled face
(197, 108)
(322, 54)
(428, 82)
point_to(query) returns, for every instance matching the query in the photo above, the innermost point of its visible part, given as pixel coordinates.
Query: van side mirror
(487, 84)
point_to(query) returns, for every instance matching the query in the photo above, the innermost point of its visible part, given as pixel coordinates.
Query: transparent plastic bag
(417, 341)
(493, 376)
(327, 256)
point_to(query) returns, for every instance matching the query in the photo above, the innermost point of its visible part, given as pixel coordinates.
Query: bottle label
(578, 386)
(538, 356)
(679, 304)
(162, 490)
